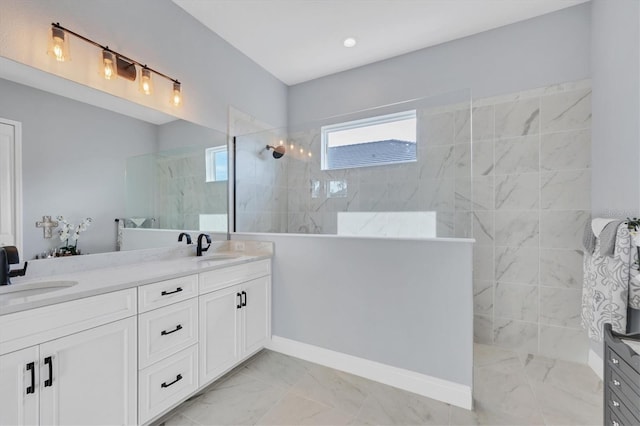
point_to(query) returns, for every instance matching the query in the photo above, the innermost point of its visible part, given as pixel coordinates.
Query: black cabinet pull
(166, 385)
(32, 367)
(49, 382)
(239, 296)
(166, 293)
(244, 294)
(165, 332)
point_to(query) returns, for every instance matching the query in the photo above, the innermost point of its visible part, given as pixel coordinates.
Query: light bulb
(301, 151)
(109, 60)
(291, 146)
(309, 154)
(59, 45)
(146, 84)
(176, 98)
(281, 142)
(57, 49)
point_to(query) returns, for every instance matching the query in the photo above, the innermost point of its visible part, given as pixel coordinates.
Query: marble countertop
(105, 280)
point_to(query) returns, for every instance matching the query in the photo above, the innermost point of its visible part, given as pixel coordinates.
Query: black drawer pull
(244, 293)
(49, 382)
(616, 383)
(239, 305)
(166, 385)
(166, 293)
(165, 332)
(32, 367)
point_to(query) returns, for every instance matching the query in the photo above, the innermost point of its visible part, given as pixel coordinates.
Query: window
(216, 163)
(386, 139)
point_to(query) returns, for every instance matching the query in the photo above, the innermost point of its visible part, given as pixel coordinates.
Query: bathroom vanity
(125, 345)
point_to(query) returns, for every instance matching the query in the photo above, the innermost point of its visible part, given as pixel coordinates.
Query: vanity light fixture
(176, 98)
(146, 84)
(109, 65)
(112, 64)
(59, 45)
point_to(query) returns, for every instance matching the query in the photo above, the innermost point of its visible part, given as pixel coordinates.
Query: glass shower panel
(388, 185)
(182, 188)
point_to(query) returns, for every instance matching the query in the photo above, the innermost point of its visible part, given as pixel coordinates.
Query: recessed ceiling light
(349, 42)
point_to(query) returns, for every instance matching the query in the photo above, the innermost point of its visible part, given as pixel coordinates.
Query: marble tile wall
(429, 184)
(531, 200)
(261, 185)
(182, 192)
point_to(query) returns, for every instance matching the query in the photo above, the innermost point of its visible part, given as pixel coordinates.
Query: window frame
(364, 122)
(211, 165)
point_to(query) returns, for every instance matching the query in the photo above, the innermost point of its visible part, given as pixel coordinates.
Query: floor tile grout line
(531, 387)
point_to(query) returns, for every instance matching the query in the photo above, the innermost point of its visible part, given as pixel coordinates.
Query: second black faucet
(201, 249)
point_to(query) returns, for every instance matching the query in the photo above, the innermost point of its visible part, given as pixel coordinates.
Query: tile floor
(510, 389)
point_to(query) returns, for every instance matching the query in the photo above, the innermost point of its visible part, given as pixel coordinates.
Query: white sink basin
(32, 289)
(218, 256)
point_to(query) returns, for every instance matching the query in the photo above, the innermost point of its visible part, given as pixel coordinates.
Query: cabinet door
(89, 378)
(219, 330)
(256, 314)
(19, 391)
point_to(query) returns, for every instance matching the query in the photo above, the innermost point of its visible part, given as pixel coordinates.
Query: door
(19, 390)
(10, 184)
(219, 330)
(256, 315)
(89, 378)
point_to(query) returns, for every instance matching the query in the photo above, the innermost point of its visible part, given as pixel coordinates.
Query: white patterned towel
(607, 287)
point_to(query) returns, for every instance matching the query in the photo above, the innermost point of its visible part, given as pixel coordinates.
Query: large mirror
(80, 161)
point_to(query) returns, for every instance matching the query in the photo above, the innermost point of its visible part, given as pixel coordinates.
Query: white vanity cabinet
(235, 316)
(168, 344)
(78, 366)
(19, 376)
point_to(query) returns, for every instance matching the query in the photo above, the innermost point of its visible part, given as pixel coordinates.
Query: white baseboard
(431, 387)
(595, 362)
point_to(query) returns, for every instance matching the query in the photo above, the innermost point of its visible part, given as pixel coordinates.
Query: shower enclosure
(401, 170)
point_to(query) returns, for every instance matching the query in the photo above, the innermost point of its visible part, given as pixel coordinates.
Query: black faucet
(9, 256)
(184, 234)
(200, 248)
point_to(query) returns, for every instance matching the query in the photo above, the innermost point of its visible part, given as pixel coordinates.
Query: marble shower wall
(182, 193)
(429, 184)
(261, 184)
(531, 201)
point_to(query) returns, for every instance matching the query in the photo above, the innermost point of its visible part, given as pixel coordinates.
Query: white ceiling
(299, 40)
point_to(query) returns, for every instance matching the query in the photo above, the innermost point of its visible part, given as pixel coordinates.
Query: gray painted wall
(73, 163)
(615, 146)
(405, 303)
(546, 50)
(615, 68)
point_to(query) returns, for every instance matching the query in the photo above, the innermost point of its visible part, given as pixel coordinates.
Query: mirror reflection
(80, 161)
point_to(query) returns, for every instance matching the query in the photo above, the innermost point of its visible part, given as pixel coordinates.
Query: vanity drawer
(621, 385)
(34, 326)
(619, 365)
(618, 407)
(163, 293)
(167, 383)
(226, 277)
(165, 331)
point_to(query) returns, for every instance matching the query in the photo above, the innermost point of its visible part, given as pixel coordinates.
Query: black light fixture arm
(126, 58)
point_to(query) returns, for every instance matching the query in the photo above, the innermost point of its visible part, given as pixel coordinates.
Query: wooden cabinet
(86, 378)
(235, 322)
